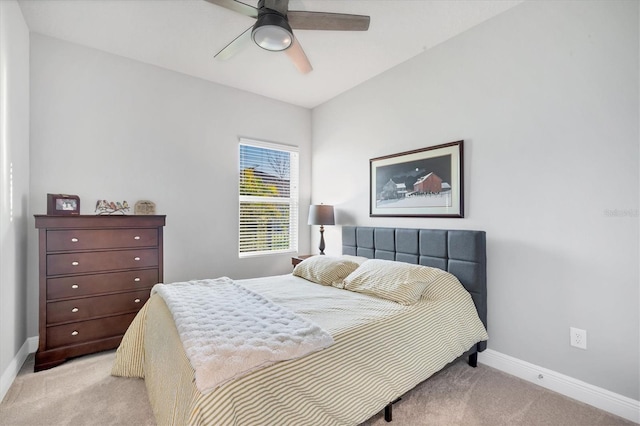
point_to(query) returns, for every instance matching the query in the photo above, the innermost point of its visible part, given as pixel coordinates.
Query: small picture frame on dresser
(63, 205)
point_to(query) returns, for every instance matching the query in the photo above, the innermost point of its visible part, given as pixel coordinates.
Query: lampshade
(272, 32)
(321, 214)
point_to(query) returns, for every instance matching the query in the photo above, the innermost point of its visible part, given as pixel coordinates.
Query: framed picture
(63, 204)
(425, 182)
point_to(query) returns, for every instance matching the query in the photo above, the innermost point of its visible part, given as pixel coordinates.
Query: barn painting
(416, 183)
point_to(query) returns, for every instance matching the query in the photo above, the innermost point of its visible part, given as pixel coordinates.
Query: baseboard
(584, 392)
(33, 343)
(8, 376)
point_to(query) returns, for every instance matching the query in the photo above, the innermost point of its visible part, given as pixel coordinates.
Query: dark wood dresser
(96, 272)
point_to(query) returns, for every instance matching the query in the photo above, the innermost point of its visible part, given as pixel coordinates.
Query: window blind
(268, 198)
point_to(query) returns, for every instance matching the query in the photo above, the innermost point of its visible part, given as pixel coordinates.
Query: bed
(381, 347)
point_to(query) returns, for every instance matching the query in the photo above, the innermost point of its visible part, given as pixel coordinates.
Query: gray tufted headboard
(462, 253)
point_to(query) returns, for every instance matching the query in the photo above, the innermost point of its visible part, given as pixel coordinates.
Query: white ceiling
(184, 35)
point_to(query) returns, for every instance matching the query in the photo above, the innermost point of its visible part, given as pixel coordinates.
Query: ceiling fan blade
(235, 46)
(302, 20)
(299, 58)
(236, 6)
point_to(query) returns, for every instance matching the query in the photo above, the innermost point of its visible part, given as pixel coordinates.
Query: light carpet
(82, 392)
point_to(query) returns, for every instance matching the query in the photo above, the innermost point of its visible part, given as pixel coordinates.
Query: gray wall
(14, 186)
(106, 127)
(546, 98)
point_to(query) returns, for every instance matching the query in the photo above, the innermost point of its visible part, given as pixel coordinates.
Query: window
(268, 196)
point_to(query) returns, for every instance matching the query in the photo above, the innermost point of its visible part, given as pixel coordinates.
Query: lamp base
(321, 246)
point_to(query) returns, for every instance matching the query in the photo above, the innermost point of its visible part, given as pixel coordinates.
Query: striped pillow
(358, 259)
(325, 270)
(399, 282)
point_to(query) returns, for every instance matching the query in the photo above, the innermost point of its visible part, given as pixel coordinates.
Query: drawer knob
(74, 286)
(137, 300)
(74, 240)
(74, 333)
(137, 237)
(137, 279)
(136, 258)
(74, 310)
(75, 263)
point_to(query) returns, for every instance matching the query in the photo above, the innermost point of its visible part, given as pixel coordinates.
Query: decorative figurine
(109, 207)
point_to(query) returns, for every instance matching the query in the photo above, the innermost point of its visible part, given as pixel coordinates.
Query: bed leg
(473, 359)
(388, 413)
(388, 410)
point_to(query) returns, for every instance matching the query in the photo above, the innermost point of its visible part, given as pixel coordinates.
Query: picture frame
(63, 205)
(427, 182)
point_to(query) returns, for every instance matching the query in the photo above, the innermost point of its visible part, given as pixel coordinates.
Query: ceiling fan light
(272, 32)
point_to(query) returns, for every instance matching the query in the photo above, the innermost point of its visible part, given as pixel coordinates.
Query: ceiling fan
(274, 23)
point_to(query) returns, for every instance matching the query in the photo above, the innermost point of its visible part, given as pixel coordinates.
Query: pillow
(399, 282)
(325, 270)
(358, 259)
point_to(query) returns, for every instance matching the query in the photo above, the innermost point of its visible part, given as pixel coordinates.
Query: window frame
(292, 200)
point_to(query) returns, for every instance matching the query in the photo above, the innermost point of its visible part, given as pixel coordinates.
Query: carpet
(82, 392)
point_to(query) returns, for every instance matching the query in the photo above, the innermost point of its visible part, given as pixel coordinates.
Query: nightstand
(297, 259)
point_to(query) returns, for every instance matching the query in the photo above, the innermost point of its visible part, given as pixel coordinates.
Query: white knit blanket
(229, 331)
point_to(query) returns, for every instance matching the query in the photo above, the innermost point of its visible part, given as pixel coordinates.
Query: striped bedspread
(381, 350)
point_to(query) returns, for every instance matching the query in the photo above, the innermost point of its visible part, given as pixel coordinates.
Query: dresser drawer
(86, 285)
(96, 239)
(91, 307)
(72, 263)
(85, 331)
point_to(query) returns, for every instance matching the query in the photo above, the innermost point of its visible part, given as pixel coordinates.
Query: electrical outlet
(578, 337)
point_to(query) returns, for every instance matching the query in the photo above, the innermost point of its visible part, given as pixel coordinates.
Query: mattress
(382, 349)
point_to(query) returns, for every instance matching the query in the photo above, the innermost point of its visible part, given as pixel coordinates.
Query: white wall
(106, 127)
(546, 98)
(14, 185)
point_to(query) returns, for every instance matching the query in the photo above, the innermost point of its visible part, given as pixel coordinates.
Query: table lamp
(321, 214)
